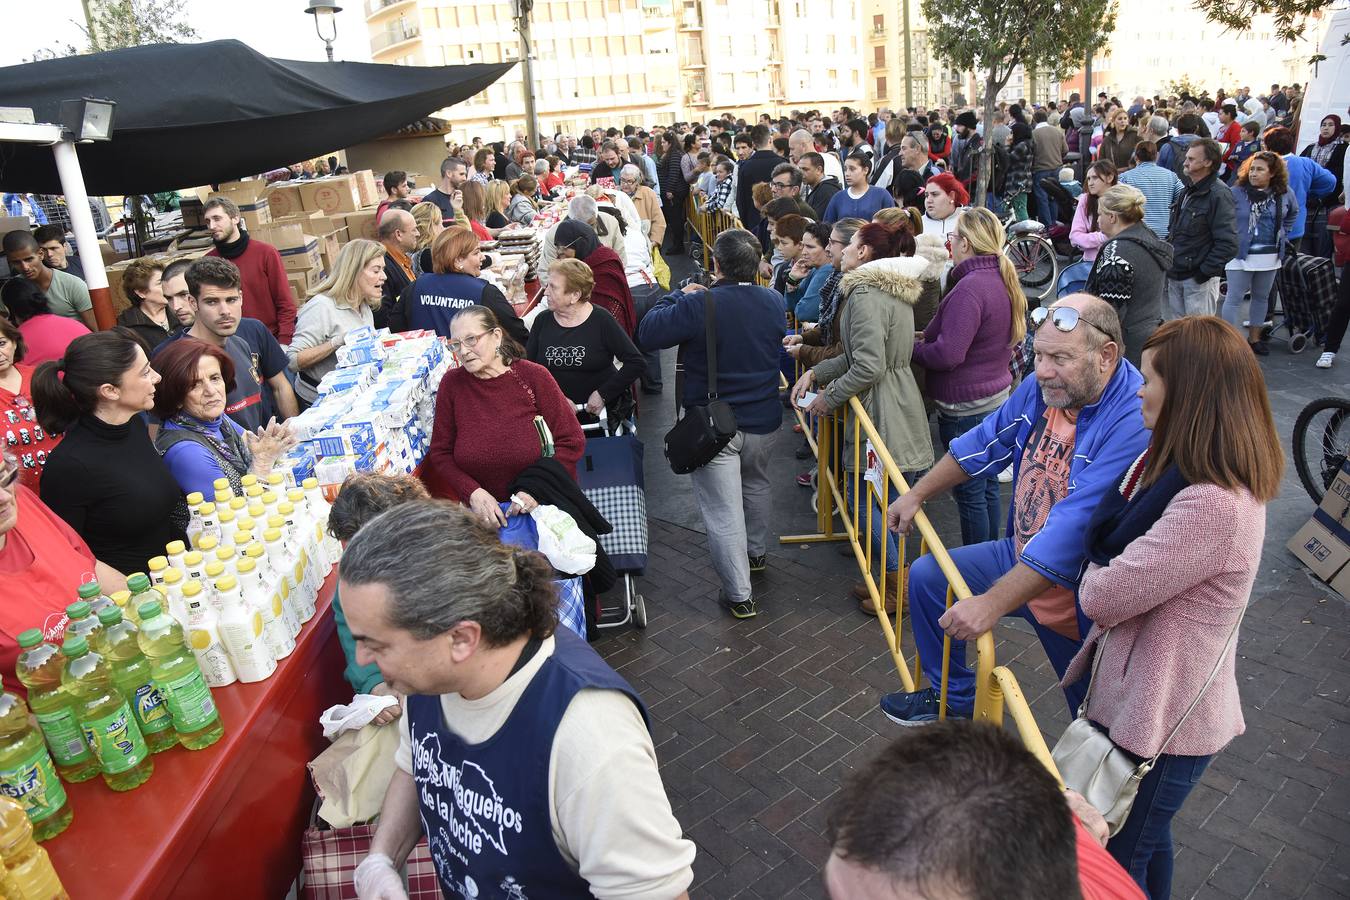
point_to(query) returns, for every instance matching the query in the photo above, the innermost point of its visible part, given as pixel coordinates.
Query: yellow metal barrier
(996, 688)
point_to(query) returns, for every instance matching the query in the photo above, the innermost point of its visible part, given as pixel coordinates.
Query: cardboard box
(370, 191)
(303, 282)
(284, 199)
(249, 188)
(192, 210)
(338, 194)
(362, 225)
(288, 234)
(301, 257)
(1323, 543)
(14, 223)
(328, 250)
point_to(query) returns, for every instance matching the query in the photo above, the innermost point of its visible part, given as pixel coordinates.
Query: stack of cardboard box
(1323, 544)
(311, 220)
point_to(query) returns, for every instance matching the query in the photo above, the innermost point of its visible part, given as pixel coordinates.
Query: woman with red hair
(198, 441)
(944, 196)
(882, 282)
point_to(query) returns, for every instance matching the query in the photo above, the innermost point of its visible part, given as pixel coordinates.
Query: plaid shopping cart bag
(329, 856)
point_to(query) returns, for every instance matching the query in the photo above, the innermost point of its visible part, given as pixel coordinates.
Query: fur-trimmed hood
(899, 276)
(934, 249)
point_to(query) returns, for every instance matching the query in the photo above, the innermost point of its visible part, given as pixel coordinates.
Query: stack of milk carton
(374, 411)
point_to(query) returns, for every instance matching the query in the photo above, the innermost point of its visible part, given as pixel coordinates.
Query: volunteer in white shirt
(524, 756)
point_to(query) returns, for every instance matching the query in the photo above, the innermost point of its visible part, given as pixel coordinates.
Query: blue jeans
(977, 500)
(1143, 846)
(980, 565)
(879, 530)
(1045, 210)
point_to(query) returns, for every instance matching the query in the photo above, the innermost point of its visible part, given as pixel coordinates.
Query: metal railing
(874, 473)
(393, 36)
(375, 6)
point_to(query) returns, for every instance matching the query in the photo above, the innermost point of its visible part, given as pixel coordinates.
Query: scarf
(402, 259)
(234, 250)
(222, 438)
(1127, 513)
(1261, 201)
(829, 305)
(1322, 153)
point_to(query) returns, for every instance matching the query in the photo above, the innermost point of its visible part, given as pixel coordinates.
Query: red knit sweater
(484, 431)
(267, 293)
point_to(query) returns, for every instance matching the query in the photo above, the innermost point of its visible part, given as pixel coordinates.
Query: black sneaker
(743, 609)
(918, 708)
(804, 451)
(1261, 347)
(758, 563)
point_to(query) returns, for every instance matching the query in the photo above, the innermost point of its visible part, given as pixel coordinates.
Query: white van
(1329, 90)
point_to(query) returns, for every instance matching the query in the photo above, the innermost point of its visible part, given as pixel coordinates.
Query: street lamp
(325, 22)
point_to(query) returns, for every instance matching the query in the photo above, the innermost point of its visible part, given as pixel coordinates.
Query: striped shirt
(1160, 187)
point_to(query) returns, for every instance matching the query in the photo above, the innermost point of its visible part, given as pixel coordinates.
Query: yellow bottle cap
(192, 558)
(310, 483)
(269, 497)
(214, 569)
(223, 497)
(272, 534)
(158, 564)
(295, 495)
(246, 565)
(253, 490)
(226, 553)
(249, 480)
(221, 484)
(286, 508)
(255, 550)
(191, 589)
(276, 522)
(226, 515)
(194, 498)
(206, 543)
(172, 576)
(228, 583)
(256, 509)
(243, 538)
(238, 503)
(208, 509)
(244, 523)
(175, 548)
(275, 478)
(121, 598)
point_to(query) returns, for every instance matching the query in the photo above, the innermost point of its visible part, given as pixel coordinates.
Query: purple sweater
(967, 346)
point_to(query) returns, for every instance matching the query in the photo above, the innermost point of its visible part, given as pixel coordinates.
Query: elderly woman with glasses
(43, 562)
(486, 433)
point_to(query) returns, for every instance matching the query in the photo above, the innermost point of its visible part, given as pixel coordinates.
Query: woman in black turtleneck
(106, 478)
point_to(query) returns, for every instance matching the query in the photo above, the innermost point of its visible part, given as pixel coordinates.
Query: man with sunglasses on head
(1069, 434)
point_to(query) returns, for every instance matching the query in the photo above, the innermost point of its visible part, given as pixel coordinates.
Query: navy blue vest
(435, 299)
(484, 807)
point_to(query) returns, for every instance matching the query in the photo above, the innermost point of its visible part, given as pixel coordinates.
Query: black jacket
(750, 172)
(552, 485)
(1202, 230)
(820, 195)
(395, 280)
(1130, 273)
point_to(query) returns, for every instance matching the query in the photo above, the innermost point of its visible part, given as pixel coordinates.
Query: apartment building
(596, 62)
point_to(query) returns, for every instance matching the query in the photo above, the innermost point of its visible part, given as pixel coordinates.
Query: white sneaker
(1325, 360)
(1005, 477)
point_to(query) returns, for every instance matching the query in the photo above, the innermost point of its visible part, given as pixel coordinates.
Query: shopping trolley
(610, 475)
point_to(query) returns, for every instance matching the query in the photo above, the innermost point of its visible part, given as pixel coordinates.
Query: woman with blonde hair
(1172, 555)
(522, 207)
(580, 344)
(345, 300)
(498, 195)
(454, 283)
(966, 350)
(476, 208)
(1130, 271)
(427, 215)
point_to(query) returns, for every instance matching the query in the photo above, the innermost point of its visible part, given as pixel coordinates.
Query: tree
(1046, 36)
(1238, 14)
(115, 24)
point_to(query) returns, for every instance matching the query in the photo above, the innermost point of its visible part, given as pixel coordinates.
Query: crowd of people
(855, 258)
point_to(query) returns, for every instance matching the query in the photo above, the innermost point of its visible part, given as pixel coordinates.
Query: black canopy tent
(194, 114)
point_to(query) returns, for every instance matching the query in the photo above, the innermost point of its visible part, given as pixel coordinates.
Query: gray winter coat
(1130, 273)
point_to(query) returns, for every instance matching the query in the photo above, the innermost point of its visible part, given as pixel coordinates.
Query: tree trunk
(985, 159)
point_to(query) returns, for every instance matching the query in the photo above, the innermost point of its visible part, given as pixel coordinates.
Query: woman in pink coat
(1173, 555)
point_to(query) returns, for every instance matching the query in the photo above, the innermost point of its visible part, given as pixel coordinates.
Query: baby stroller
(610, 475)
(1064, 206)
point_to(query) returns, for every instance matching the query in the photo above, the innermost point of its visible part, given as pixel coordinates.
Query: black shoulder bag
(702, 431)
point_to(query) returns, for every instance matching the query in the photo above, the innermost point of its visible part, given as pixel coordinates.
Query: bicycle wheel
(1034, 259)
(1321, 443)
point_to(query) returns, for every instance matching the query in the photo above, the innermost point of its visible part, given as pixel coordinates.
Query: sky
(276, 28)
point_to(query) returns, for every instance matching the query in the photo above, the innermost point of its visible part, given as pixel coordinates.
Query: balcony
(392, 37)
(375, 7)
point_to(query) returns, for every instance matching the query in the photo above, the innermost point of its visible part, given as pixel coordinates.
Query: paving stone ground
(757, 722)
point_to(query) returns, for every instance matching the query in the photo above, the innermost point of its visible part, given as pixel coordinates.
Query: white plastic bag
(355, 715)
(562, 541)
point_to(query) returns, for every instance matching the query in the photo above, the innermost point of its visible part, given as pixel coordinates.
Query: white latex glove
(377, 879)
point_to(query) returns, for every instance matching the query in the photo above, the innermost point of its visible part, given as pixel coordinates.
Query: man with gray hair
(1068, 433)
(583, 208)
(524, 759)
(801, 142)
(733, 491)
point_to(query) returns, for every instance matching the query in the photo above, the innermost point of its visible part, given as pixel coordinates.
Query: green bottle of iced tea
(39, 668)
(131, 676)
(109, 726)
(179, 678)
(26, 771)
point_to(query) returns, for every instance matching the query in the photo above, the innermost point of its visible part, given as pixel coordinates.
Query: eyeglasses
(835, 242)
(1064, 318)
(470, 340)
(780, 184)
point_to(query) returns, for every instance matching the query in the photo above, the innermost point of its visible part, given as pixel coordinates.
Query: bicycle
(1321, 443)
(1033, 256)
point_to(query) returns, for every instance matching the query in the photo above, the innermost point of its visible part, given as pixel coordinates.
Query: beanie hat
(967, 120)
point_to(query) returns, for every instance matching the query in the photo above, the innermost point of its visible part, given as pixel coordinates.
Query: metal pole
(909, 59)
(527, 72)
(328, 45)
(86, 237)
